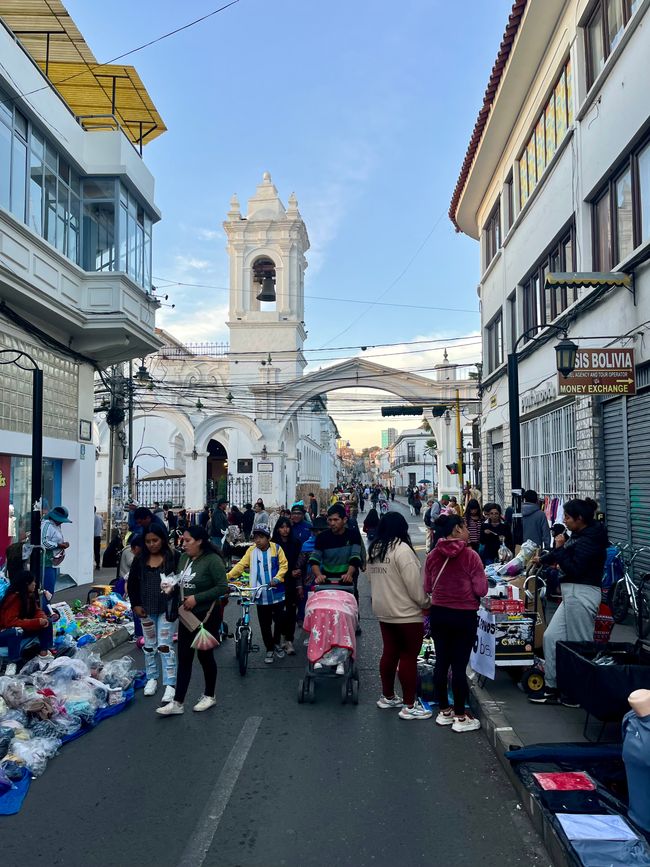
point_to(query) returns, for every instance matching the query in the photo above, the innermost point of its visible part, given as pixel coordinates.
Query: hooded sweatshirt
(535, 525)
(463, 581)
(396, 586)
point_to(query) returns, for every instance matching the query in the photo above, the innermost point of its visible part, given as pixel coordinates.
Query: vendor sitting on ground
(19, 610)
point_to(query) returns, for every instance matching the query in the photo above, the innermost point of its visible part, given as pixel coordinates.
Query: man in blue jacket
(534, 522)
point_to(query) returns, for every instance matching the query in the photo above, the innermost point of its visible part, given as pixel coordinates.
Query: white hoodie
(396, 586)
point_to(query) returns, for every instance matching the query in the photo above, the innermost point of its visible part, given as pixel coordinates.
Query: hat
(59, 514)
(298, 508)
(262, 530)
(319, 523)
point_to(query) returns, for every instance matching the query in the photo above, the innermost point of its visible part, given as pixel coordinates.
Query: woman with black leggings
(203, 577)
(455, 578)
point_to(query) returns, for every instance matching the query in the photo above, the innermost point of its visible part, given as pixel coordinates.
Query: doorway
(217, 475)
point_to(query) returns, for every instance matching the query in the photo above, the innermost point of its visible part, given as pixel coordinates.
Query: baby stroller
(331, 618)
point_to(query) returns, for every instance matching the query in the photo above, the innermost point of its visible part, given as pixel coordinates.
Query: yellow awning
(94, 92)
(589, 278)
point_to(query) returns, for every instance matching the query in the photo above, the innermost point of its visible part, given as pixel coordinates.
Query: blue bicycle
(245, 597)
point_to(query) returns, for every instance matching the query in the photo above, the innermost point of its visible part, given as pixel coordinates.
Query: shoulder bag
(435, 583)
(188, 618)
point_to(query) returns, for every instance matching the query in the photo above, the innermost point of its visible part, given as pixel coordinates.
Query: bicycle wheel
(645, 614)
(244, 647)
(620, 603)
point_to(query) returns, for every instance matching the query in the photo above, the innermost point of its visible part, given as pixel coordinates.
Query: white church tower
(267, 250)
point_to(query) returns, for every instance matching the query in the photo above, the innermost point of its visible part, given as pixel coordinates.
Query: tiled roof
(517, 13)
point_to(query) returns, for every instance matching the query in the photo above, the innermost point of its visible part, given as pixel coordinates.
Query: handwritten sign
(482, 656)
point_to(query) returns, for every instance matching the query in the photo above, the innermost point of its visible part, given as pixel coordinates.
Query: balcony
(103, 315)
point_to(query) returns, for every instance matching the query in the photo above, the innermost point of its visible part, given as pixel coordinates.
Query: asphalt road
(261, 781)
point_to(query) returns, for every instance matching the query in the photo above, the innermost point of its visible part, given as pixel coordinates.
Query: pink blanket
(331, 619)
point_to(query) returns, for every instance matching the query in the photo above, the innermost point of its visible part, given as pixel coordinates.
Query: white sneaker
(384, 703)
(169, 709)
(150, 687)
(204, 703)
(318, 666)
(466, 723)
(289, 648)
(340, 668)
(168, 694)
(11, 669)
(418, 711)
(306, 642)
(445, 719)
(270, 656)
(279, 652)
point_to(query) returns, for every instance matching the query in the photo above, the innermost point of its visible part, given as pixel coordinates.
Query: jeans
(97, 545)
(206, 658)
(573, 621)
(402, 643)
(270, 620)
(16, 641)
(454, 632)
(158, 637)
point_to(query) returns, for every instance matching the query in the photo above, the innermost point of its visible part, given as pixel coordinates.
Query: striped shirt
(334, 554)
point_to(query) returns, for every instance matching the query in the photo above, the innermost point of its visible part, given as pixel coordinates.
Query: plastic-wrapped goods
(35, 753)
(13, 770)
(6, 737)
(505, 554)
(66, 725)
(44, 729)
(5, 782)
(119, 673)
(13, 691)
(83, 710)
(14, 718)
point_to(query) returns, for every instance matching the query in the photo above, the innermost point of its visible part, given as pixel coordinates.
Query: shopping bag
(204, 640)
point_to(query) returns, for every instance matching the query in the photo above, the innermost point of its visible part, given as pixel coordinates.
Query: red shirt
(10, 615)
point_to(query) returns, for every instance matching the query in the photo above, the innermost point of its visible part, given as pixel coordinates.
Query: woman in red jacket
(24, 620)
(455, 578)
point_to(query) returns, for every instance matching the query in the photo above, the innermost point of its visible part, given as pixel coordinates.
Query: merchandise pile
(84, 624)
(50, 702)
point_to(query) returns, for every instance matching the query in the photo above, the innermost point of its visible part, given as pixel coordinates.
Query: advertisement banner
(482, 657)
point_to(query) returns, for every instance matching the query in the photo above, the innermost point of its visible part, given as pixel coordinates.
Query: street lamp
(37, 452)
(565, 357)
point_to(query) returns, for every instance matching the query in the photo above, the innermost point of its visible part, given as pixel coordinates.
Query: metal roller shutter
(638, 445)
(616, 471)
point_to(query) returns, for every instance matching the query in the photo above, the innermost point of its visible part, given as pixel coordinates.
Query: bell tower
(267, 250)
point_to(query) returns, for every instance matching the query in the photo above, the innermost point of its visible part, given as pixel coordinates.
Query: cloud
(195, 324)
(192, 263)
(208, 234)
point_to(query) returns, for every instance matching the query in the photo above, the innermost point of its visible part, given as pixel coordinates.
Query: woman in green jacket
(203, 579)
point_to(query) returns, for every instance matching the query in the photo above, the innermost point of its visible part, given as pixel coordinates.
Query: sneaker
(340, 668)
(168, 694)
(549, 696)
(566, 702)
(150, 687)
(205, 703)
(445, 717)
(418, 711)
(289, 648)
(270, 656)
(466, 723)
(11, 669)
(384, 703)
(170, 709)
(279, 652)
(306, 642)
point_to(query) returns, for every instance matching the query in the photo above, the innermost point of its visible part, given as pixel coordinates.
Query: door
(499, 480)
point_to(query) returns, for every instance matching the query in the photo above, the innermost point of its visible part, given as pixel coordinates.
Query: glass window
(5, 163)
(644, 191)
(5, 108)
(74, 228)
(615, 22)
(532, 177)
(62, 218)
(122, 240)
(548, 308)
(97, 188)
(596, 51)
(99, 236)
(560, 110)
(36, 188)
(624, 216)
(550, 128)
(569, 91)
(49, 209)
(634, 5)
(51, 157)
(19, 179)
(540, 147)
(131, 241)
(523, 181)
(20, 124)
(603, 234)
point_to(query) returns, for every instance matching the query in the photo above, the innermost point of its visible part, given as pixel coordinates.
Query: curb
(502, 736)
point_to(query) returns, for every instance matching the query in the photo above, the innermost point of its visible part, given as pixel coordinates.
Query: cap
(261, 530)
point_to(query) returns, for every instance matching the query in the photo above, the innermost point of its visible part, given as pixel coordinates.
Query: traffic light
(452, 469)
(401, 410)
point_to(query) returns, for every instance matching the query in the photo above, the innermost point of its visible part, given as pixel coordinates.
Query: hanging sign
(601, 371)
(482, 657)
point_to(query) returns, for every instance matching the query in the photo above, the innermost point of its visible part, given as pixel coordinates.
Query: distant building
(388, 437)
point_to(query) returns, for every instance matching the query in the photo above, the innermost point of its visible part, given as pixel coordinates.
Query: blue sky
(364, 108)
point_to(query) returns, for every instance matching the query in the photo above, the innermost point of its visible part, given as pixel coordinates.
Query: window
(509, 197)
(512, 317)
(494, 349)
(410, 453)
(621, 210)
(493, 234)
(603, 32)
(548, 453)
(548, 133)
(541, 304)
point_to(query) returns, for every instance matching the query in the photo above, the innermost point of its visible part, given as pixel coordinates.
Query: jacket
(205, 580)
(10, 615)
(396, 586)
(278, 569)
(582, 557)
(218, 524)
(490, 538)
(247, 522)
(535, 525)
(462, 582)
(136, 579)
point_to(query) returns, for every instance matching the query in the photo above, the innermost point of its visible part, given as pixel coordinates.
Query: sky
(364, 108)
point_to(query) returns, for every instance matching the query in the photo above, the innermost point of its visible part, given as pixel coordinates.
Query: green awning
(589, 278)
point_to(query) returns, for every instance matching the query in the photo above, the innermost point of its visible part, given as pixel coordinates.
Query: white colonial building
(412, 461)
(556, 180)
(76, 215)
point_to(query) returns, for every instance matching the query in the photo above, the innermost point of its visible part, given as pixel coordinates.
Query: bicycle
(246, 597)
(627, 594)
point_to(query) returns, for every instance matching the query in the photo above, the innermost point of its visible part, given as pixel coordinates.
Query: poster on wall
(482, 657)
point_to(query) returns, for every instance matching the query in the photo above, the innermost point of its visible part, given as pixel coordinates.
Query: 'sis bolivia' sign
(600, 371)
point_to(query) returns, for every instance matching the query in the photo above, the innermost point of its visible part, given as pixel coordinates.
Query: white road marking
(199, 844)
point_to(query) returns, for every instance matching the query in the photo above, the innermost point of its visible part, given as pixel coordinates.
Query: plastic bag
(6, 737)
(505, 554)
(14, 693)
(13, 770)
(5, 782)
(119, 673)
(36, 753)
(168, 582)
(66, 725)
(14, 718)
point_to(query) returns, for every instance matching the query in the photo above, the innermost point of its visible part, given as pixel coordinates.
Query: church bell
(268, 290)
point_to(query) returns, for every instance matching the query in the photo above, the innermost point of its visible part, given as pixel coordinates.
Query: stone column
(196, 477)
